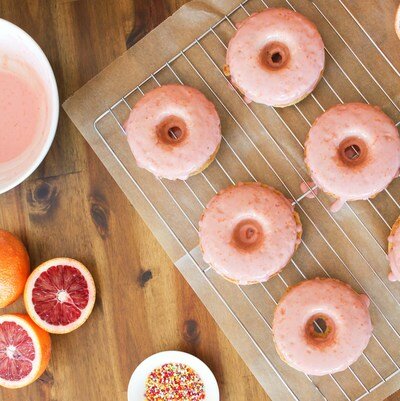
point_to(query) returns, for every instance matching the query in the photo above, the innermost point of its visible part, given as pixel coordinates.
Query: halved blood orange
(59, 295)
(24, 350)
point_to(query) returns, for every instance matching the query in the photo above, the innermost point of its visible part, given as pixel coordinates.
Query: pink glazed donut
(339, 336)
(174, 132)
(249, 232)
(394, 251)
(333, 164)
(276, 57)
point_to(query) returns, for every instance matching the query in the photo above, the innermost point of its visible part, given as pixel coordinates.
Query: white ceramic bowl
(137, 387)
(15, 44)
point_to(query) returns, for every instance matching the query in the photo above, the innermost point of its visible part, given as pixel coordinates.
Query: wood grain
(71, 207)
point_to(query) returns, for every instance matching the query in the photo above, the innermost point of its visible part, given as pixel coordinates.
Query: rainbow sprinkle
(174, 382)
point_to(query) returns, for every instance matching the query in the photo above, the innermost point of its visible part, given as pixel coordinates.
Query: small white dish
(17, 45)
(137, 383)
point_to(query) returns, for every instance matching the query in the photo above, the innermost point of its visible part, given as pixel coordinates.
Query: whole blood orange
(24, 350)
(14, 268)
(59, 295)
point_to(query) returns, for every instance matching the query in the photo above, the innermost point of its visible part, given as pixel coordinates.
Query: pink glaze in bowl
(21, 55)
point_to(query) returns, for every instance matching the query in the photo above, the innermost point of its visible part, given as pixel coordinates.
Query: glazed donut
(397, 22)
(394, 251)
(174, 132)
(339, 336)
(333, 164)
(249, 232)
(276, 57)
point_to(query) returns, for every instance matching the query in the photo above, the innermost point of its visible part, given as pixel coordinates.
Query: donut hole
(320, 326)
(274, 56)
(320, 329)
(352, 151)
(247, 235)
(171, 131)
(175, 133)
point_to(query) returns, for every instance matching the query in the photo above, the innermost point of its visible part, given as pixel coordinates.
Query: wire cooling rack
(349, 245)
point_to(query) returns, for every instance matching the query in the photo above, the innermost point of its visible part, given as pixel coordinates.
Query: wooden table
(72, 207)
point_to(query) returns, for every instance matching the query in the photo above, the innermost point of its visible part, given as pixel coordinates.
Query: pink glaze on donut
(394, 252)
(249, 232)
(353, 152)
(276, 57)
(307, 188)
(330, 303)
(173, 131)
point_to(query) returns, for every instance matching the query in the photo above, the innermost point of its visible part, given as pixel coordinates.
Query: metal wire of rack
(382, 364)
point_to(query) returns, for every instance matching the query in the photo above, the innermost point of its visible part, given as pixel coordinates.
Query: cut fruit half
(59, 295)
(24, 350)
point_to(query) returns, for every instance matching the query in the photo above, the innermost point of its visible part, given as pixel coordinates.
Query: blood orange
(24, 351)
(59, 295)
(14, 268)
